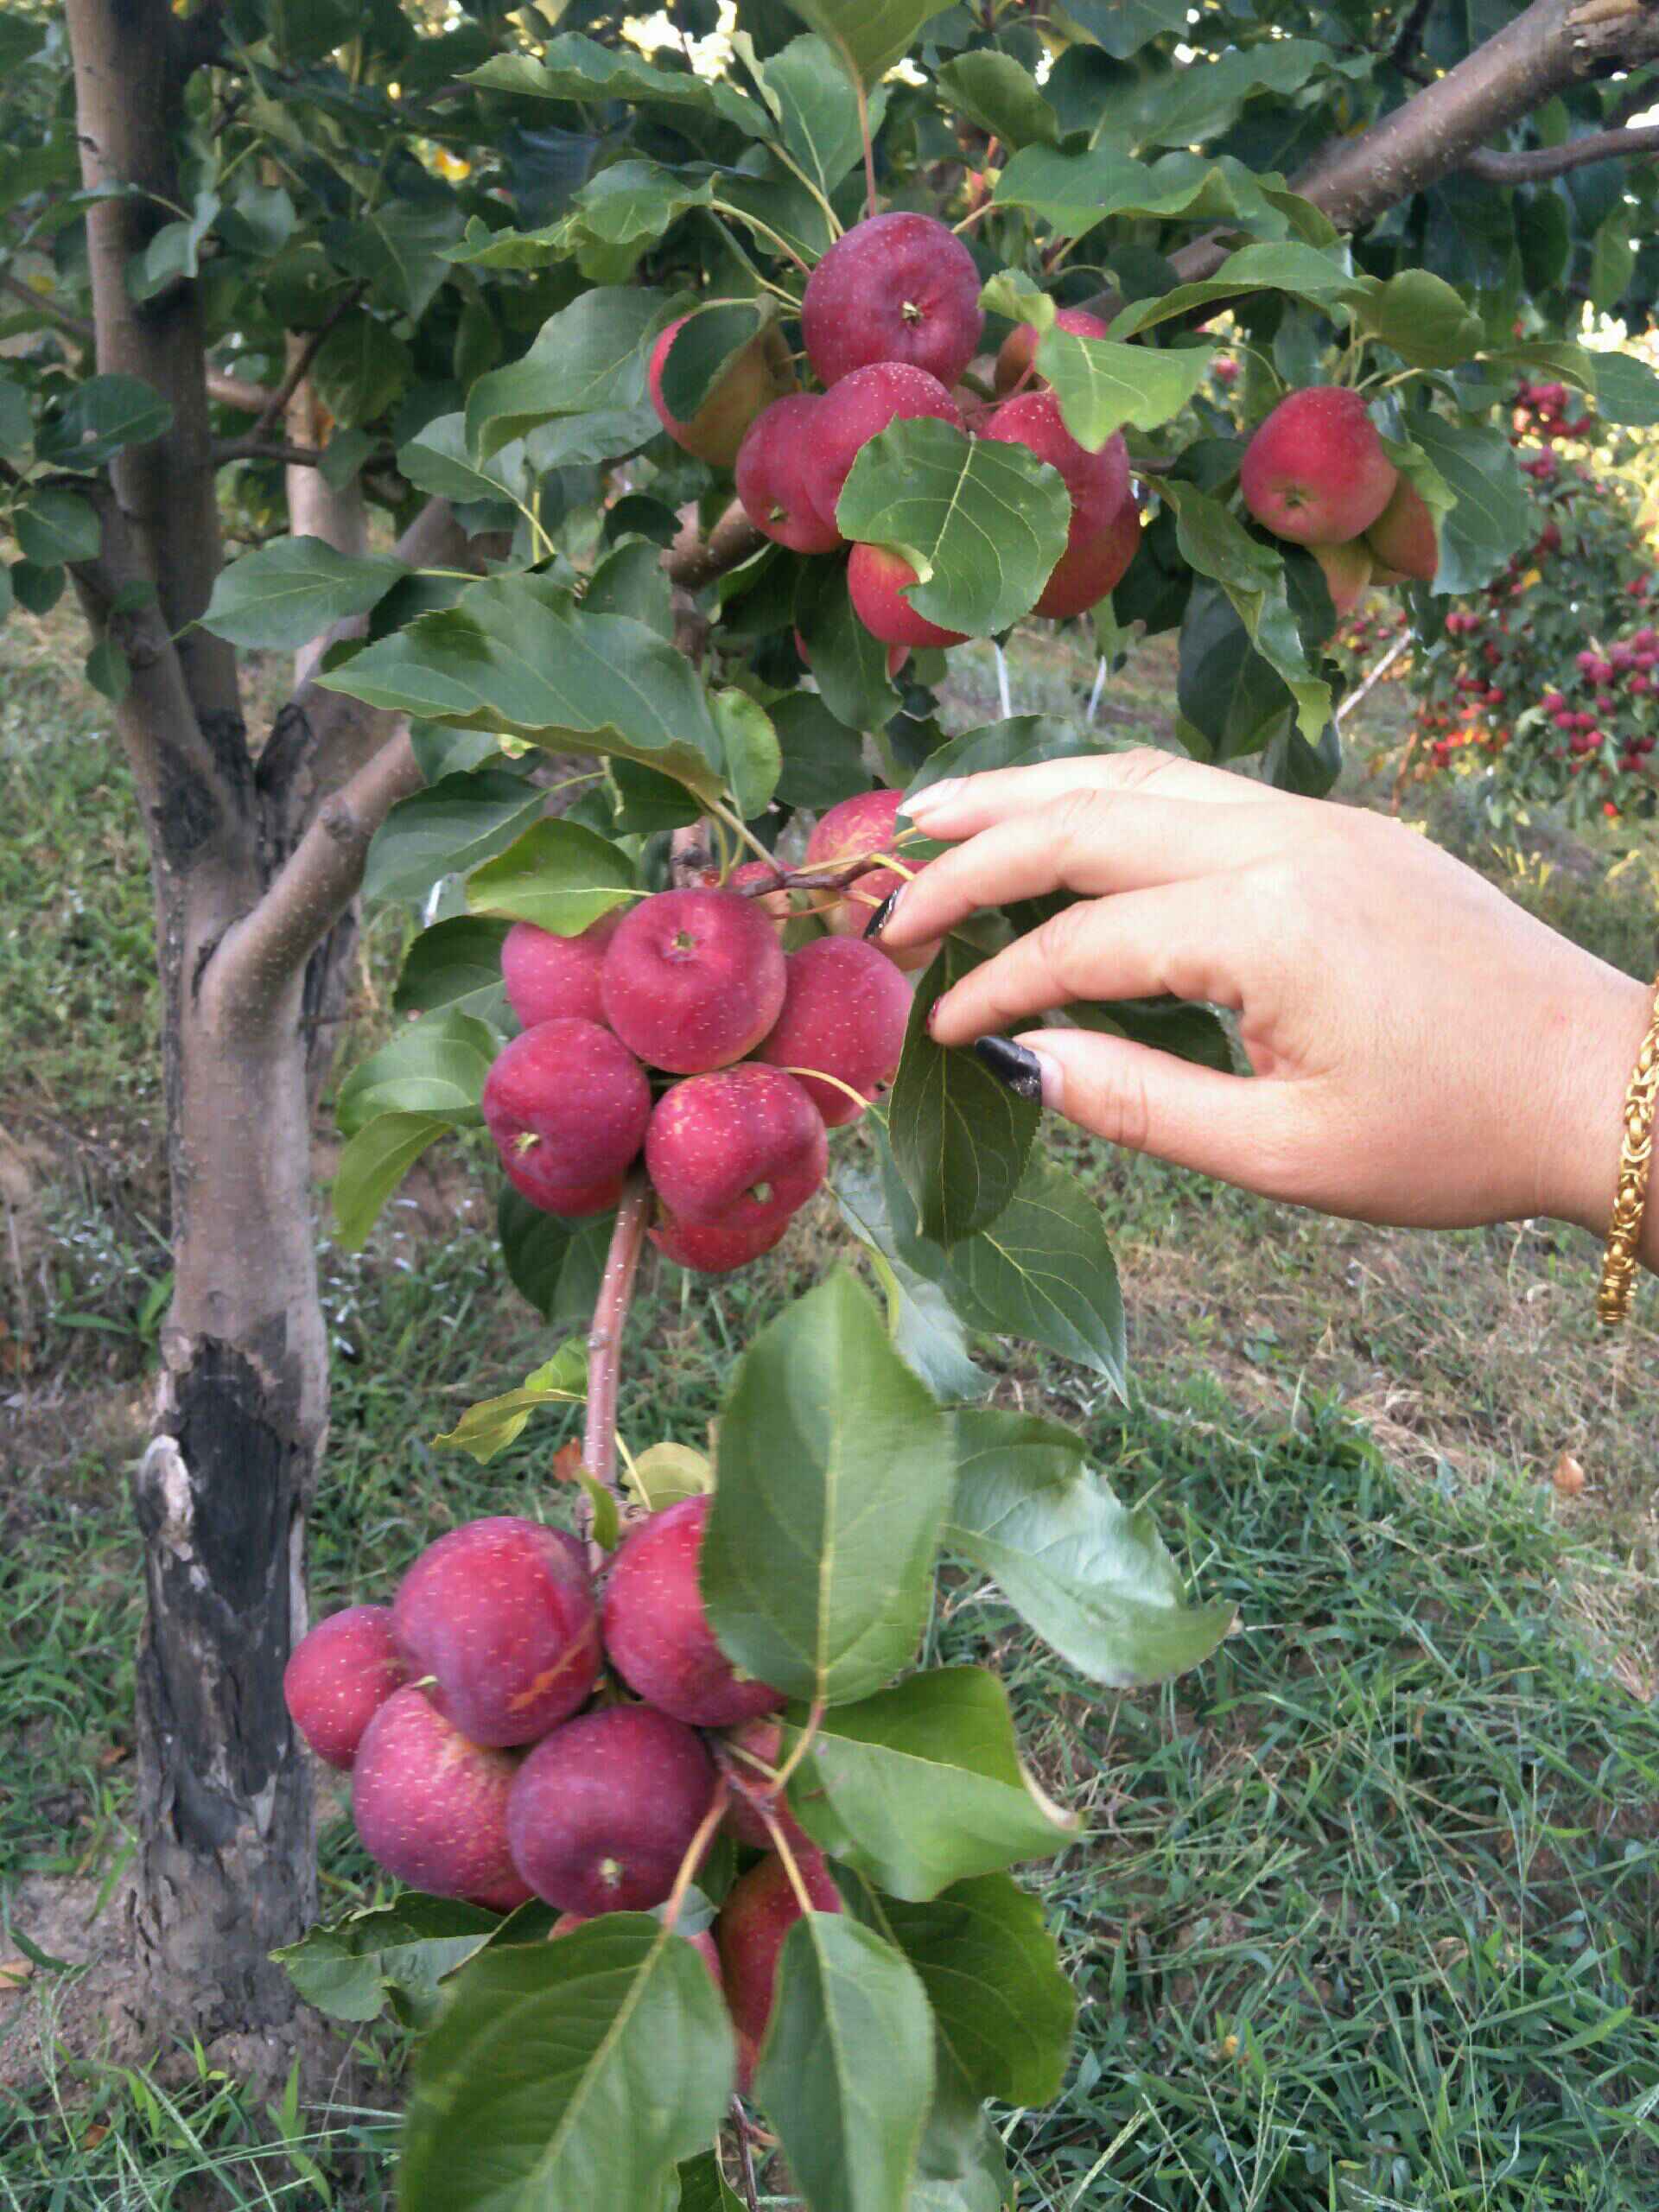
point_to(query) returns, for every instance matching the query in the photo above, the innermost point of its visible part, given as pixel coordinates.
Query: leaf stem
(864, 133)
(779, 1782)
(694, 1857)
(780, 1845)
(605, 1337)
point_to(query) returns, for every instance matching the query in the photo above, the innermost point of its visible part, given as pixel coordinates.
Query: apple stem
(605, 1337)
(864, 132)
(745, 2158)
(692, 1859)
(779, 1781)
(780, 1845)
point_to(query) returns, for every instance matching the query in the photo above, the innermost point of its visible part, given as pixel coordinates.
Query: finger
(1090, 842)
(1173, 939)
(1239, 1128)
(959, 806)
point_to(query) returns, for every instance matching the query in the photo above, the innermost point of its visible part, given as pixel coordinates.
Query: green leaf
(372, 1166)
(1200, 101)
(981, 522)
(106, 669)
(1627, 391)
(487, 1428)
(1217, 544)
(846, 2072)
(400, 248)
(1123, 26)
(850, 666)
(1044, 1269)
(869, 35)
(1284, 265)
(921, 1786)
(288, 592)
(960, 1137)
(360, 368)
(1003, 2009)
(16, 425)
(1073, 192)
(398, 1954)
(926, 1329)
(1190, 1033)
(52, 528)
(702, 2187)
(36, 590)
(630, 579)
(705, 346)
(576, 68)
(1421, 317)
(667, 1474)
(99, 418)
(1495, 515)
(434, 1066)
(438, 459)
(1102, 386)
(995, 92)
(818, 110)
(174, 253)
(822, 759)
(1017, 743)
(579, 2072)
(625, 209)
(1612, 260)
(754, 758)
(590, 356)
(516, 654)
(447, 828)
(557, 874)
(1089, 1575)
(835, 1472)
(554, 1264)
(455, 964)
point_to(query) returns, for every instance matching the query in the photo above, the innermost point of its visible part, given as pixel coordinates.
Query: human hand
(1424, 1051)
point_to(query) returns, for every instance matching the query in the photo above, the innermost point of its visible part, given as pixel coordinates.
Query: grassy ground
(1366, 1912)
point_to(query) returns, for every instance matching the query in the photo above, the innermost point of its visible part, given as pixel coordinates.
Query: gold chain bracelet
(1635, 1167)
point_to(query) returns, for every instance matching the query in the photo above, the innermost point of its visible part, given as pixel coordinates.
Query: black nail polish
(882, 915)
(1012, 1066)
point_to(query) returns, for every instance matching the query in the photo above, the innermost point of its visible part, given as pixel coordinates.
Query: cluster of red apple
(890, 320)
(682, 1033)
(1316, 473)
(1540, 411)
(488, 1720)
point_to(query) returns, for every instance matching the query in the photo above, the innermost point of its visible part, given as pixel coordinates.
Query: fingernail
(1052, 1073)
(936, 795)
(1021, 1071)
(883, 913)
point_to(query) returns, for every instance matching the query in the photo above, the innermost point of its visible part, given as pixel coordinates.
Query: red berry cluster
(488, 1720)
(1315, 472)
(682, 1033)
(890, 319)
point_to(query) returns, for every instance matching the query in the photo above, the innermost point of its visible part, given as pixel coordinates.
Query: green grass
(1366, 1913)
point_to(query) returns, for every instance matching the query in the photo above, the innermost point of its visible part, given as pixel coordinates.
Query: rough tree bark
(256, 861)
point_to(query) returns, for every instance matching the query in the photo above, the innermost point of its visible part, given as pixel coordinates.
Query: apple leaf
(373, 1164)
(835, 1472)
(393, 1955)
(1090, 1575)
(572, 67)
(926, 1329)
(667, 1474)
(1018, 742)
(869, 35)
(576, 2073)
(1001, 95)
(487, 1428)
(1102, 386)
(1074, 192)
(921, 1785)
(702, 2187)
(1627, 390)
(755, 759)
(982, 523)
(1281, 265)
(1494, 516)
(1003, 2009)
(818, 110)
(554, 1264)
(516, 654)
(449, 828)
(961, 1138)
(589, 358)
(846, 2072)
(849, 665)
(434, 1066)
(557, 875)
(707, 343)
(457, 964)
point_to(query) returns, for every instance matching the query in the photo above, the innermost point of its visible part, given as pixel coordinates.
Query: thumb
(1133, 1095)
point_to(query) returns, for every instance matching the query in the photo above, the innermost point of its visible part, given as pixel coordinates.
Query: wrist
(1580, 1171)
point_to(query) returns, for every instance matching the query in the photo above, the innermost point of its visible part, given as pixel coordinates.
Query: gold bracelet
(1635, 1166)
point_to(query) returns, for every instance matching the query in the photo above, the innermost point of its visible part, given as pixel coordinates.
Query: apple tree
(474, 336)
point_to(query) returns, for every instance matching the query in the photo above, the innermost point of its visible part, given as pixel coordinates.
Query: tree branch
(260, 956)
(300, 367)
(694, 559)
(1495, 168)
(73, 326)
(226, 390)
(605, 1338)
(255, 448)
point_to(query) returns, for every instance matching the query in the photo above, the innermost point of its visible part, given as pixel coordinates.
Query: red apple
(549, 977)
(709, 1249)
(1099, 486)
(897, 287)
(756, 376)
(1085, 573)
(1315, 472)
(1015, 363)
(605, 1809)
(1403, 539)
(879, 581)
(861, 406)
(848, 831)
(693, 980)
(846, 1008)
(778, 474)
(339, 1676)
(566, 1105)
(657, 1634)
(760, 1740)
(741, 1148)
(760, 1909)
(501, 1614)
(431, 1807)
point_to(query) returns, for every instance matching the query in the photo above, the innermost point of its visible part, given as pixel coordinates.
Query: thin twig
(255, 448)
(1376, 676)
(745, 2180)
(605, 1338)
(300, 367)
(71, 324)
(1541, 161)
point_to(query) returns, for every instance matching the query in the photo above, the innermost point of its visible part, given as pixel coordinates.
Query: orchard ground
(1369, 1907)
